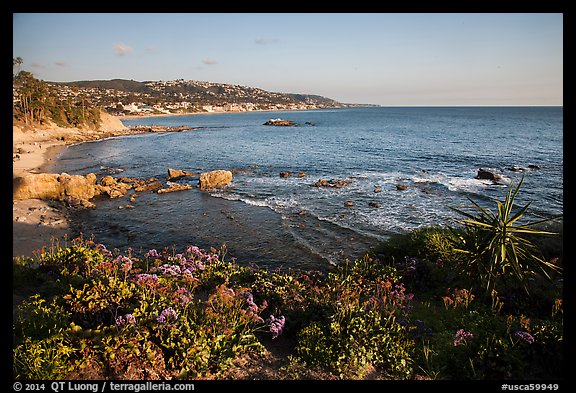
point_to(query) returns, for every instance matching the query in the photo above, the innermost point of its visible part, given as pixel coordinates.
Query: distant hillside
(187, 96)
(116, 84)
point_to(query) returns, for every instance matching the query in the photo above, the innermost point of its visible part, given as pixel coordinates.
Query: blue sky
(382, 58)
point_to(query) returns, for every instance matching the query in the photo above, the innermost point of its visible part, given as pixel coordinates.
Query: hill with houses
(129, 97)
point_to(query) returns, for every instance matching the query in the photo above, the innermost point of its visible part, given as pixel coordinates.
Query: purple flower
(102, 250)
(461, 337)
(152, 254)
(183, 296)
(276, 325)
(128, 318)
(166, 316)
(181, 258)
(252, 307)
(124, 262)
(146, 280)
(525, 337)
(168, 270)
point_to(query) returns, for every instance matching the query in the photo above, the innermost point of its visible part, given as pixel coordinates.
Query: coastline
(37, 223)
(153, 115)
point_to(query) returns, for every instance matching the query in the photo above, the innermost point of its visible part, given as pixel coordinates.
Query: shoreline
(35, 149)
(153, 115)
(37, 223)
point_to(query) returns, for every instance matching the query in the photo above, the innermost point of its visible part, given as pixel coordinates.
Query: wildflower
(252, 307)
(461, 337)
(183, 296)
(276, 325)
(167, 315)
(212, 258)
(524, 337)
(401, 299)
(106, 267)
(181, 258)
(168, 270)
(125, 263)
(102, 250)
(128, 318)
(146, 280)
(152, 254)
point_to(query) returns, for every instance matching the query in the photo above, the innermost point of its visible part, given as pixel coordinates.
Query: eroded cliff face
(110, 123)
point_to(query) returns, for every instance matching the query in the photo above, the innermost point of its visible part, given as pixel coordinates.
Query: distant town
(128, 97)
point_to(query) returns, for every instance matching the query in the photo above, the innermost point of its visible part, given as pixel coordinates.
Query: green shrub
(495, 246)
(45, 359)
(365, 302)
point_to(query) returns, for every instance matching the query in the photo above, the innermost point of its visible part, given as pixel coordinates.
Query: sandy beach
(37, 223)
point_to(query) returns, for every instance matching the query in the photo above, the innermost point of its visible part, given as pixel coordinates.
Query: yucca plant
(495, 244)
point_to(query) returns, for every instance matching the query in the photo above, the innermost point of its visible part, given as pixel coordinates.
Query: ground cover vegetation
(481, 299)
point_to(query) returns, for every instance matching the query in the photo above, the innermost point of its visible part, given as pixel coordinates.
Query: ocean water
(286, 221)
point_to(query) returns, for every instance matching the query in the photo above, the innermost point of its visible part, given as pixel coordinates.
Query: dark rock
(374, 204)
(487, 175)
(401, 187)
(533, 166)
(333, 183)
(285, 174)
(515, 168)
(280, 122)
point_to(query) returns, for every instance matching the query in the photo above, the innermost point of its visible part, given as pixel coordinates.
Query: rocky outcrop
(487, 175)
(175, 174)
(212, 179)
(281, 123)
(55, 186)
(114, 188)
(289, 173)
(333, 183)
(77, 190)
(174, 187)
(110, 123)
(150, 184)
(36, 186)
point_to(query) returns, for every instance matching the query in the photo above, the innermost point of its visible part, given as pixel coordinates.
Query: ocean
(403, 167)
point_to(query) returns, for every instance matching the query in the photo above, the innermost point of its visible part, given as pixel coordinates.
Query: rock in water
(175, 174)
(214, 179)
(281, 123)
(487, 175)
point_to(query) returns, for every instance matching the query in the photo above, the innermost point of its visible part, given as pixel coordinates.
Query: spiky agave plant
(495, 246)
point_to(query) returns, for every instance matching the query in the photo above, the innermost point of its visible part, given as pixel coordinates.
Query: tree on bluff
(35, 101)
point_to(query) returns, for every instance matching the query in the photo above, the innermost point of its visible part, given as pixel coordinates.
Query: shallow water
(276, 221)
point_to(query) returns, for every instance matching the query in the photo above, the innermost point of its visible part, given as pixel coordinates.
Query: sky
(389, 59)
